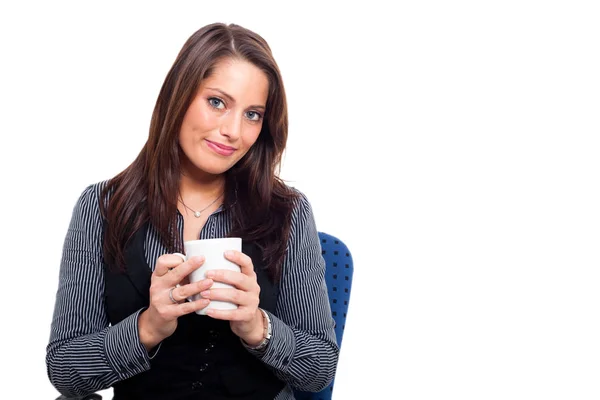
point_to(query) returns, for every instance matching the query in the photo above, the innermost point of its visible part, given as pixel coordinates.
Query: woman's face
(225, 118)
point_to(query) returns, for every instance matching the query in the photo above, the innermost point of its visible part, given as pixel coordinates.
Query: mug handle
(183, 257)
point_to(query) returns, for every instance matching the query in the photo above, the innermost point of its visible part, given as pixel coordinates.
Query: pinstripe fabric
(85, 354)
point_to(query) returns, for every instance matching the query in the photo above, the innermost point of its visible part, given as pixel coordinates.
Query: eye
(253, 116)
(216, 102)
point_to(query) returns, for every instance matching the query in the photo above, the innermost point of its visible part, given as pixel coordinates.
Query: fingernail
(209, 274)
(228, 253)
(199, 258)
(206, 293)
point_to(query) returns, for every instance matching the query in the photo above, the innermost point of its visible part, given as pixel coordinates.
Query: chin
(211, 168)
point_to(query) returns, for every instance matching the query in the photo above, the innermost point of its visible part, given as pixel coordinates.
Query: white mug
(213, 251)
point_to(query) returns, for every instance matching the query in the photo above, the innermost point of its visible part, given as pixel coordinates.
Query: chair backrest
(338, 275)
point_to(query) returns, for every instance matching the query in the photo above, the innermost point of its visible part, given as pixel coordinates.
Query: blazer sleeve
(84, 353)
(303, 350)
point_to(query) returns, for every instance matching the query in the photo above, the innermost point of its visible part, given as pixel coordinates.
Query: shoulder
(93, 192)
(302, 205)
(302, 217)
(95, 189)
(86, 219)
(89, 199)
(289, 203)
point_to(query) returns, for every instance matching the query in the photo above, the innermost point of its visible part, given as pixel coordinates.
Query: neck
(196, 189)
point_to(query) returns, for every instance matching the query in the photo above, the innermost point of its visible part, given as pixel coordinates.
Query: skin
(227, 110)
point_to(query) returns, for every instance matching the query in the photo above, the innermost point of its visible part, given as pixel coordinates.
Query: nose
(231, 126)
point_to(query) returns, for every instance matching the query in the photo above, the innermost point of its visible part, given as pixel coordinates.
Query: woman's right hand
(159, 321)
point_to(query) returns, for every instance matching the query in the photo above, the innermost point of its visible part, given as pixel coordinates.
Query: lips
(220, 149)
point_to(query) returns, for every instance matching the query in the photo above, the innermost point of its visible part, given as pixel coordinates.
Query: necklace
(197, 214)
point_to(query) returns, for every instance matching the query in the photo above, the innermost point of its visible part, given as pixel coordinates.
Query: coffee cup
(213, 251)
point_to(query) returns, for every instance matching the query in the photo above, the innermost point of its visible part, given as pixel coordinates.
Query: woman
(208, 170)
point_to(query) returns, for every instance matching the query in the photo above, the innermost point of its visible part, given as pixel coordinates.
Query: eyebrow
(231, 99)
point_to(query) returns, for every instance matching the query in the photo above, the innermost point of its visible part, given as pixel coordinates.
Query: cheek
(198, 118)
(208, 120)
(251, 135)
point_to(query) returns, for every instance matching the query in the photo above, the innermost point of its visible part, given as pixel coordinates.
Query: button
(197, 385)
(209, 348)
(203, 367)
(213, 334)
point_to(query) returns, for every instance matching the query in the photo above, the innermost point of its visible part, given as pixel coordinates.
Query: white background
(452, 145)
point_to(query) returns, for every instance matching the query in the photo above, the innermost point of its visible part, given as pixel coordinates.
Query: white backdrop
(452, 145)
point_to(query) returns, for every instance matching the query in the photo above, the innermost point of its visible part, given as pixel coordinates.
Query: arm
(303, 349)
(85, 354)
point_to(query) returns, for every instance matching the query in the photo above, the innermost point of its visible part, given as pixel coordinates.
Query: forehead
(240, 79)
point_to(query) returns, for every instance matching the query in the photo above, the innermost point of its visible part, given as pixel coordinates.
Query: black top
(203, 359)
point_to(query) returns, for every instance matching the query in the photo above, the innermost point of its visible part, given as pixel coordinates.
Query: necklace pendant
(197, 214)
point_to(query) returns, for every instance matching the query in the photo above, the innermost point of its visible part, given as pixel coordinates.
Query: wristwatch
(267, 335)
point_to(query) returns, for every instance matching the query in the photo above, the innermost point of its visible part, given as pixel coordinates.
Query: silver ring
(171, 295)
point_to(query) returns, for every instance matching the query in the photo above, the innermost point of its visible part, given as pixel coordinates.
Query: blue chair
(338, 275)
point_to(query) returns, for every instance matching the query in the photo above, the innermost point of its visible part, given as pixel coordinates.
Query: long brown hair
(146, 191)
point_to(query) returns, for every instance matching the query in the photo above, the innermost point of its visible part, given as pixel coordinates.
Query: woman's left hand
(247, 320)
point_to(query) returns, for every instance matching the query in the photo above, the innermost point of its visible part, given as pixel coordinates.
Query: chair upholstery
(339, 269)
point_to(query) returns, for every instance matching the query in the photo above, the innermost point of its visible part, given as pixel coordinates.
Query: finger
(232, 296)
(191, 289)
(227, 315)
(242, 260)
(172, 296)
(177, 274)
(191, 306)
(166, 262)
(233, 278)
